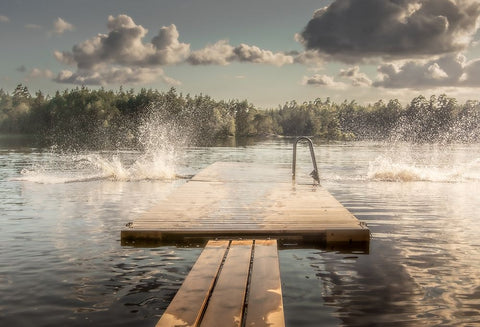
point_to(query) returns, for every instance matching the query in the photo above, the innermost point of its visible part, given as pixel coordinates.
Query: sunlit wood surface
(265, 304)
(229, 199)
(244, 290)
(188, 305)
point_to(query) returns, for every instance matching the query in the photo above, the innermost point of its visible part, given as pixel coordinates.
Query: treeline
(82, 117)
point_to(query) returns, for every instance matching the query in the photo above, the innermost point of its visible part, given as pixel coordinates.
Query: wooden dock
(233, 283)
(235, 200)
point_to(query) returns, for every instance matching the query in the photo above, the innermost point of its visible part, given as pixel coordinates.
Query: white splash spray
(161, 145)
(384, 168)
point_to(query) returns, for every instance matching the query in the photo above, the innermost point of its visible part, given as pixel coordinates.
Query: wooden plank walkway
(233, 283)
(247, 200)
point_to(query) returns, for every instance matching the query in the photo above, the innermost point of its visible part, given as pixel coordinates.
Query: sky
(265, 51)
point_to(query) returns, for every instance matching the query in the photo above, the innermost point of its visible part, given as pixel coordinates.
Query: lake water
(62, 264)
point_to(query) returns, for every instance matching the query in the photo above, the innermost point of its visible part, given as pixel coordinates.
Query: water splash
(384, 168)
(161, 143)
(43, 175)
(95, 166)
(149, 166)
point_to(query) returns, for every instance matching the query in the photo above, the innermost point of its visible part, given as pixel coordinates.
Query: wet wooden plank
(265, 304)
(244, 291)
(250, 200)
(188, 304)
(225, 307)
(244, 172)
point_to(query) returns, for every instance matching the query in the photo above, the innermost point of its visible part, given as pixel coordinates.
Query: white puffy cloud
(168, 50)
(357, 31)
(60, 26)
(308, 57)
(115, 56)
(471, 74)
(322, 80)
(124, 46)
(4, 19)
(446, 71)
(66, 58)
(40, 73)
(122, 56)
(249, 53)
(113, 75)
(357, 78)
(222, 53)
(435, 72)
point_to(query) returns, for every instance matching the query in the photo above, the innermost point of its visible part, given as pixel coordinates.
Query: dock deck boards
(248, 200)
(243, 291)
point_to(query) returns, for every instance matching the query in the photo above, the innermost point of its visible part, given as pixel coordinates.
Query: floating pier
(233, 283)
(245, 200)
(246, 208)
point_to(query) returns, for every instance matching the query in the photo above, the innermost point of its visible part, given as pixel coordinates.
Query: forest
(99, 118)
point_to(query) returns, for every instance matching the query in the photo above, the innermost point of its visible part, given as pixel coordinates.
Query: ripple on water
(66, 265)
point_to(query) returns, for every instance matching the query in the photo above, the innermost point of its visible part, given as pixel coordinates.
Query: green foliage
(318, 119)
(101, 118)
(244, 116)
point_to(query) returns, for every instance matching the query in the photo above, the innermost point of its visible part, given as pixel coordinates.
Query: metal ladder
(314, 173)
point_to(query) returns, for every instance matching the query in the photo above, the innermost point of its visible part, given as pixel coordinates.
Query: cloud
(122, 55)
(435, 72)
(124, 46)
(322, 80)
(309, 58)
(357, 78)
(123, 51)
(249, 53)
(40, 73)
(66, 58)
(60, 26)
(470, 76)
(4, 19)
(170, 81)
(35, 72)
(113, 75)
(448, 71)
(168, 50)
(222, 53)
(356, 31)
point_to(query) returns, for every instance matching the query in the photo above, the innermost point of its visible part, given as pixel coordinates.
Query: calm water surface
(61, 262)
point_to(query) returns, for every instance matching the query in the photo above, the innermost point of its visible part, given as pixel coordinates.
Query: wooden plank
(188, 304)
(265, 304)
(244, 172)
(226, 304)
(250, 200)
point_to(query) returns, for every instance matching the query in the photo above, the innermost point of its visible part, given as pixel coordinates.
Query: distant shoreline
(85, 118)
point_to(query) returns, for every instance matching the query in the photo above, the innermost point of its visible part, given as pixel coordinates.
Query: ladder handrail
(314, 173)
